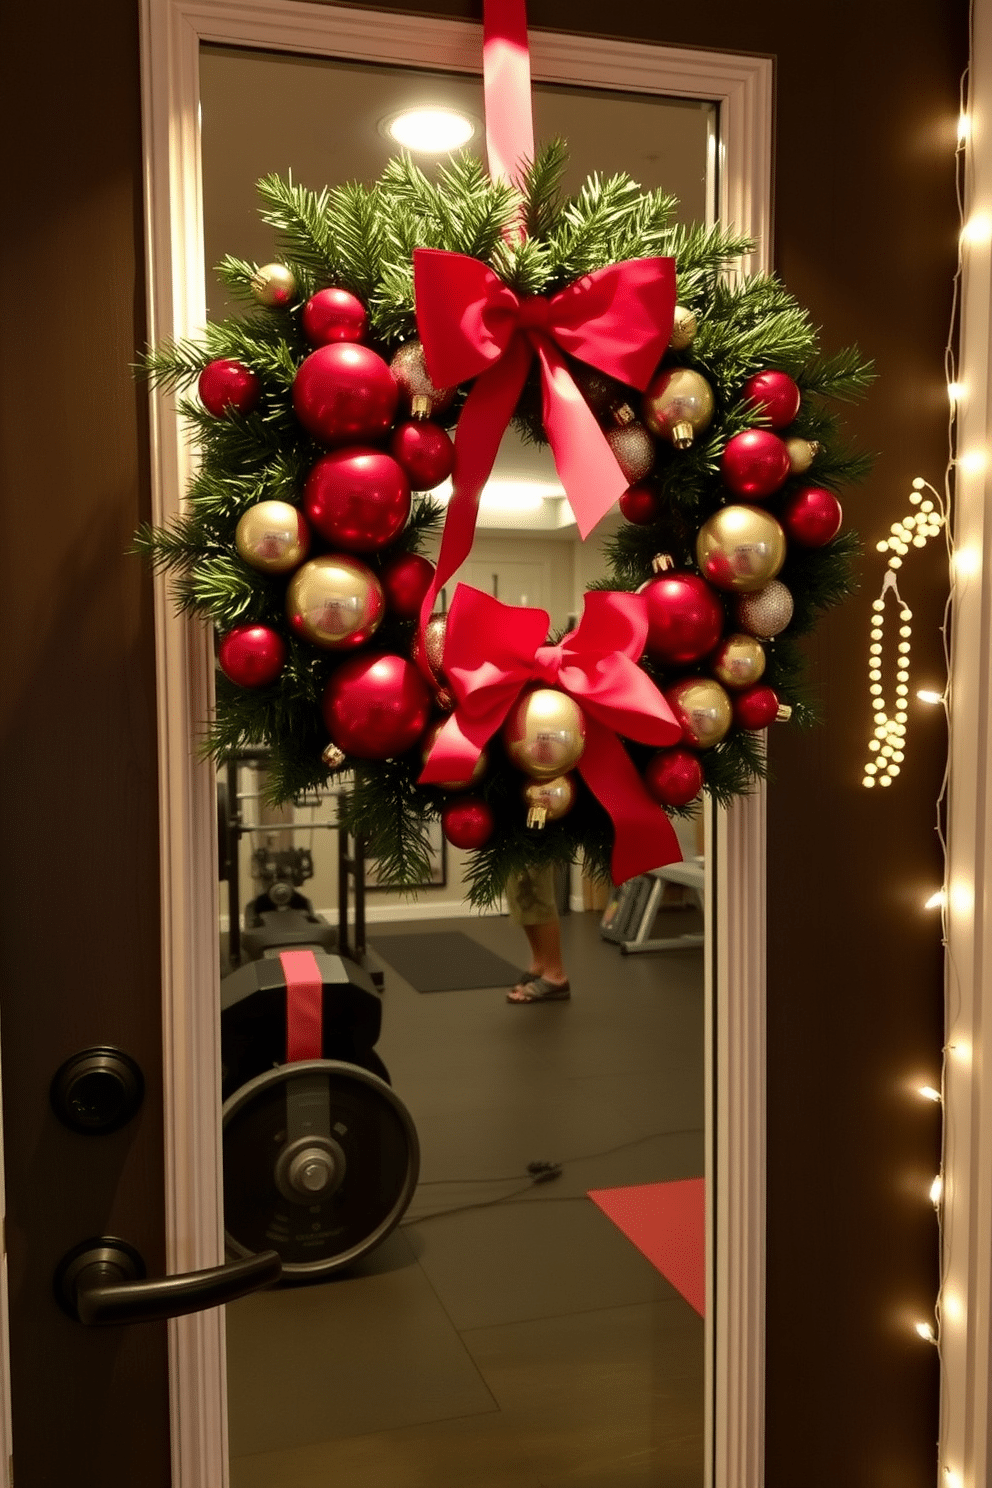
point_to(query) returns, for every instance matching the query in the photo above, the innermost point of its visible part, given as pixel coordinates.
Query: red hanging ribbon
(492, 651)
(506, 84)
(304, 1006)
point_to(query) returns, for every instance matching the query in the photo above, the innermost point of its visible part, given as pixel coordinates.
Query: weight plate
(320, 1162)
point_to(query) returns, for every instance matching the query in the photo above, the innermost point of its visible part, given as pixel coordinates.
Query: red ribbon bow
(492, 651)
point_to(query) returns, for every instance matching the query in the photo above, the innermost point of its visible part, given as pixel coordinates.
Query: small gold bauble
(802, 453)
(678, 405)
(634, 449)
(333, 757)
(335, 602)
(702, 708)
(548, 800)
(738, 661)
(683, 329)
(273, 537)
(478, 769)
(766, 612)
(545, 733)
(274, 286)
(740, 548)
(417, 390)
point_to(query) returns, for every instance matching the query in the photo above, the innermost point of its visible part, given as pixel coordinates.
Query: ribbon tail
(644, 838)
(481, 425)
(586, 464)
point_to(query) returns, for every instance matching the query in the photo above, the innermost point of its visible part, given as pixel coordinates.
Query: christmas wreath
(412, 307)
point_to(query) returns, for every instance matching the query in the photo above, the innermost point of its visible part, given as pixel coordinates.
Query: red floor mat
(667, 1223)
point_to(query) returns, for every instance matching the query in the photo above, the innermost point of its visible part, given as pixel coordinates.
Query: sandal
(539, 989)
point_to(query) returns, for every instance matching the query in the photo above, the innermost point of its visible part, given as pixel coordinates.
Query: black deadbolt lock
(97, 1090)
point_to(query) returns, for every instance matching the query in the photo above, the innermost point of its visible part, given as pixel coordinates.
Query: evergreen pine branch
(357, 228)
(387, 810)
(236, 275)
(542, 188)
(300, 218)
(845, 376)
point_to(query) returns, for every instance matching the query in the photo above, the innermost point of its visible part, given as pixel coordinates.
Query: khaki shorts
(530, 896)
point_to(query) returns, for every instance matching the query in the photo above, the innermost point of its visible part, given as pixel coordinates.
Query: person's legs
(531, 900)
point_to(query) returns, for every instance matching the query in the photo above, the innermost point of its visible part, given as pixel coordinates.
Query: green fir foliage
(362, 237)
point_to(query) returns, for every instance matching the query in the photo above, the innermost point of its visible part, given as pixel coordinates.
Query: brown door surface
(80, 941)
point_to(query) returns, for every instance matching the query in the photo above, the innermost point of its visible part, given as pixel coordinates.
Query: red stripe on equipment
(304, 1006)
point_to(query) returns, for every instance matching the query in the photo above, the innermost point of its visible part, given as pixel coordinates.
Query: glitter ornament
(428, 647)
(754, 464)
(702, 708)
(634, 449)
(775, 394)
(376, 706)
(333, 315)
(674, 777)
(544, 733)
(740, 548)
(358, 499)
(227, 386)
(273, 537)
(274, 286)
(678, 405)
(344, 394)
(251, 655)
(335, 602)
(418, 393)
(738, 661)
(764, 613)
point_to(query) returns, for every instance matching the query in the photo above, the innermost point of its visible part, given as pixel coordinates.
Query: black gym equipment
(321, 1157)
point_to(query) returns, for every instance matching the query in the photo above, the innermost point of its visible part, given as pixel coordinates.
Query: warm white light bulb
(926, 1332)
(956, 391)
(973, 461)
(978, 229)
(929, 1093)
(928, 695)
(936, 901)
(433, 131)
(936, 1190)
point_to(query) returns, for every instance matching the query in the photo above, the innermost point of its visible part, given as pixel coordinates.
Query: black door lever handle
(102, 1281)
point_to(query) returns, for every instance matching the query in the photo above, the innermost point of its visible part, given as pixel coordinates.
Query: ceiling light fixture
(432, 131)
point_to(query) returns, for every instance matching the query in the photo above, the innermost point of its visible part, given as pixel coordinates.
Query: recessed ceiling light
(433, 131)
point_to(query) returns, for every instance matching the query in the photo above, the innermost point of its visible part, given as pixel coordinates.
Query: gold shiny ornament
(702, 708)
(335, 602)
(634, 449)
(274, 286)
(429, 645)
(409, 367)
(802, 453)
(683, 329)
(478, 769)
(740, 548)
(738, 661)
(678, 405)
(544, 733)
(766, 612)
(548, 800)
(273, 537)
(333, 757)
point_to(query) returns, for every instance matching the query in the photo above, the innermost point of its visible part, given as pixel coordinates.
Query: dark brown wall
(866, 100)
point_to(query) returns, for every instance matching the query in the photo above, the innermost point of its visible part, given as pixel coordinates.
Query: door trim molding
(172, 32)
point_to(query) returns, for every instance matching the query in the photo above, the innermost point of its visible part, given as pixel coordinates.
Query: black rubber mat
(446, 962)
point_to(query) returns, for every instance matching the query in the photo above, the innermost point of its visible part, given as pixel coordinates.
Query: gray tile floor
(523, 1343)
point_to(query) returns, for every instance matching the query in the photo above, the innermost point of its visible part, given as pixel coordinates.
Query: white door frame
(172, 31)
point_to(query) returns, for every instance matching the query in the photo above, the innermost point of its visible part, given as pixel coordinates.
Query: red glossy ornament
(641, 504)
(425, 451)
(405, 581)
(812, 517)
(755, 463)
(357, 499)
(345, 394)
(376, 706)
(333, 315)
(685, 618)
(251, 655)
(775, 394)
(225, 385)
(468, 822)
(756, 708)
(674, 777)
